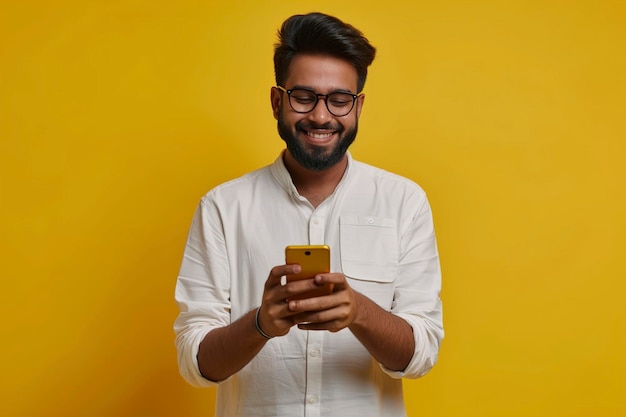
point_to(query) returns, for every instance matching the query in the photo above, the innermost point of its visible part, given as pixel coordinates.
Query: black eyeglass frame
(317, 99)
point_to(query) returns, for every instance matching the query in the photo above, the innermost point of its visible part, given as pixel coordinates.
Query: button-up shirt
(380, 231)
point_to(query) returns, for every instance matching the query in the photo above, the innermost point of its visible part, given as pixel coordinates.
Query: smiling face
(317, 140)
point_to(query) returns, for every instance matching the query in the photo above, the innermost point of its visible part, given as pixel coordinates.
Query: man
(342, 354)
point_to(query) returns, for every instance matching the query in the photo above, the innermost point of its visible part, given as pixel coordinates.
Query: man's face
(317, 140)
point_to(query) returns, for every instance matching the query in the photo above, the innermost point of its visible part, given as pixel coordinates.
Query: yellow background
(116, 116)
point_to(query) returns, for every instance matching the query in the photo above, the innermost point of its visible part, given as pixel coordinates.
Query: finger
(332, 278)
(272, 324)
(319, 303)
(304, 288)
(278, 272)
(331, 326)
(333, 320)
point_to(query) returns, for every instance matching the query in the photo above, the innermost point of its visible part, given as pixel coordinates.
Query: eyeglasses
(303, 100)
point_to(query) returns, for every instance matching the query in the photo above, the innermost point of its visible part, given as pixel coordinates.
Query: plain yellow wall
(116, 116)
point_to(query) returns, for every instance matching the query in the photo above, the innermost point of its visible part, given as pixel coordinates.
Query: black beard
(315, 158)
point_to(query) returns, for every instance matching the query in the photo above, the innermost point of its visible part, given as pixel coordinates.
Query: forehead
(321, 73)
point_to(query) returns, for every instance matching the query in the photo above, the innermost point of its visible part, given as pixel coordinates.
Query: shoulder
(386, 180)
(239, 187)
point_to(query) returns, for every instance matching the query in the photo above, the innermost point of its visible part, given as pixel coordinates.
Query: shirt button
(370, 220)
(315, 353)
(316, 221)
(312, 399)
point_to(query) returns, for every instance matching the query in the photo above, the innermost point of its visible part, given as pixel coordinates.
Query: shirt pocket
(369, 248)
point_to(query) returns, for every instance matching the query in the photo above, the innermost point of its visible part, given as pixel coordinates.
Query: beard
(311, 157)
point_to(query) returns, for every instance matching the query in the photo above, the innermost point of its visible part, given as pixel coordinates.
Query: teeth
(319, 135)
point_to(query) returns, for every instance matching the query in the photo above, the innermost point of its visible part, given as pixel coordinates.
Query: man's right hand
(225, 350)
(275, 318)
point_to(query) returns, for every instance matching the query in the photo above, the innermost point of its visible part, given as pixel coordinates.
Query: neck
(315, 186)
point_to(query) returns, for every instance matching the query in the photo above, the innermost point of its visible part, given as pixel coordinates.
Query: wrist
(258, 326)
(361, 315)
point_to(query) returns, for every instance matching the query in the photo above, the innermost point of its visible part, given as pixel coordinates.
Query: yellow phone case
(313, 259)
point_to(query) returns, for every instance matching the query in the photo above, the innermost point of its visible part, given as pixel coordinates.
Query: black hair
(318, 33)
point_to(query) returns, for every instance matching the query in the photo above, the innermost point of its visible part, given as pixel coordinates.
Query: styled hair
(321, 34)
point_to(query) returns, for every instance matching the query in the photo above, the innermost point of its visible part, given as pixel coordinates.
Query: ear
(275, 98)
(359, 104)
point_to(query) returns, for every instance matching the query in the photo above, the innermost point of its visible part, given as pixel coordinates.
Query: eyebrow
(337, 90)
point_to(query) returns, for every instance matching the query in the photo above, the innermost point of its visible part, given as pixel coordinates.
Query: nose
(320, 113)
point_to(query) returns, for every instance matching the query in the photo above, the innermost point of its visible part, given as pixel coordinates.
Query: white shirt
(380, 230)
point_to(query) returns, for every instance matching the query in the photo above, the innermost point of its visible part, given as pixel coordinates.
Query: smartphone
(313, 259)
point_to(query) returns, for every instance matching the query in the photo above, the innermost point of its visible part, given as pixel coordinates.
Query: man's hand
(331, 312)
(388, 338)
(224, 351)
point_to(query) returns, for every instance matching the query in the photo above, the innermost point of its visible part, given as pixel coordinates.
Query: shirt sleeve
(202, 290)
(416, 296)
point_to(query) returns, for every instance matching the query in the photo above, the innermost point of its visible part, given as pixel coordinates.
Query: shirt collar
(280, 173)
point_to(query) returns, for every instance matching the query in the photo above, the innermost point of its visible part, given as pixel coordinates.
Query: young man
(342, 354)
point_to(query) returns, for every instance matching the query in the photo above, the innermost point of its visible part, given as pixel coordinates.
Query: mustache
(304, 125)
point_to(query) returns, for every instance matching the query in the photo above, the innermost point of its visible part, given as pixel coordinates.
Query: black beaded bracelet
(258, 328)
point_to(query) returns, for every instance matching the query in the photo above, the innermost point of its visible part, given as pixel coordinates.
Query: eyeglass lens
(337, 103)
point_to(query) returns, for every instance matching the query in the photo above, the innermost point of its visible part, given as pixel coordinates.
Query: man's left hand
(330, 312)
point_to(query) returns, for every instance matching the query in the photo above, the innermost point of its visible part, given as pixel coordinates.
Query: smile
(319, 135)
